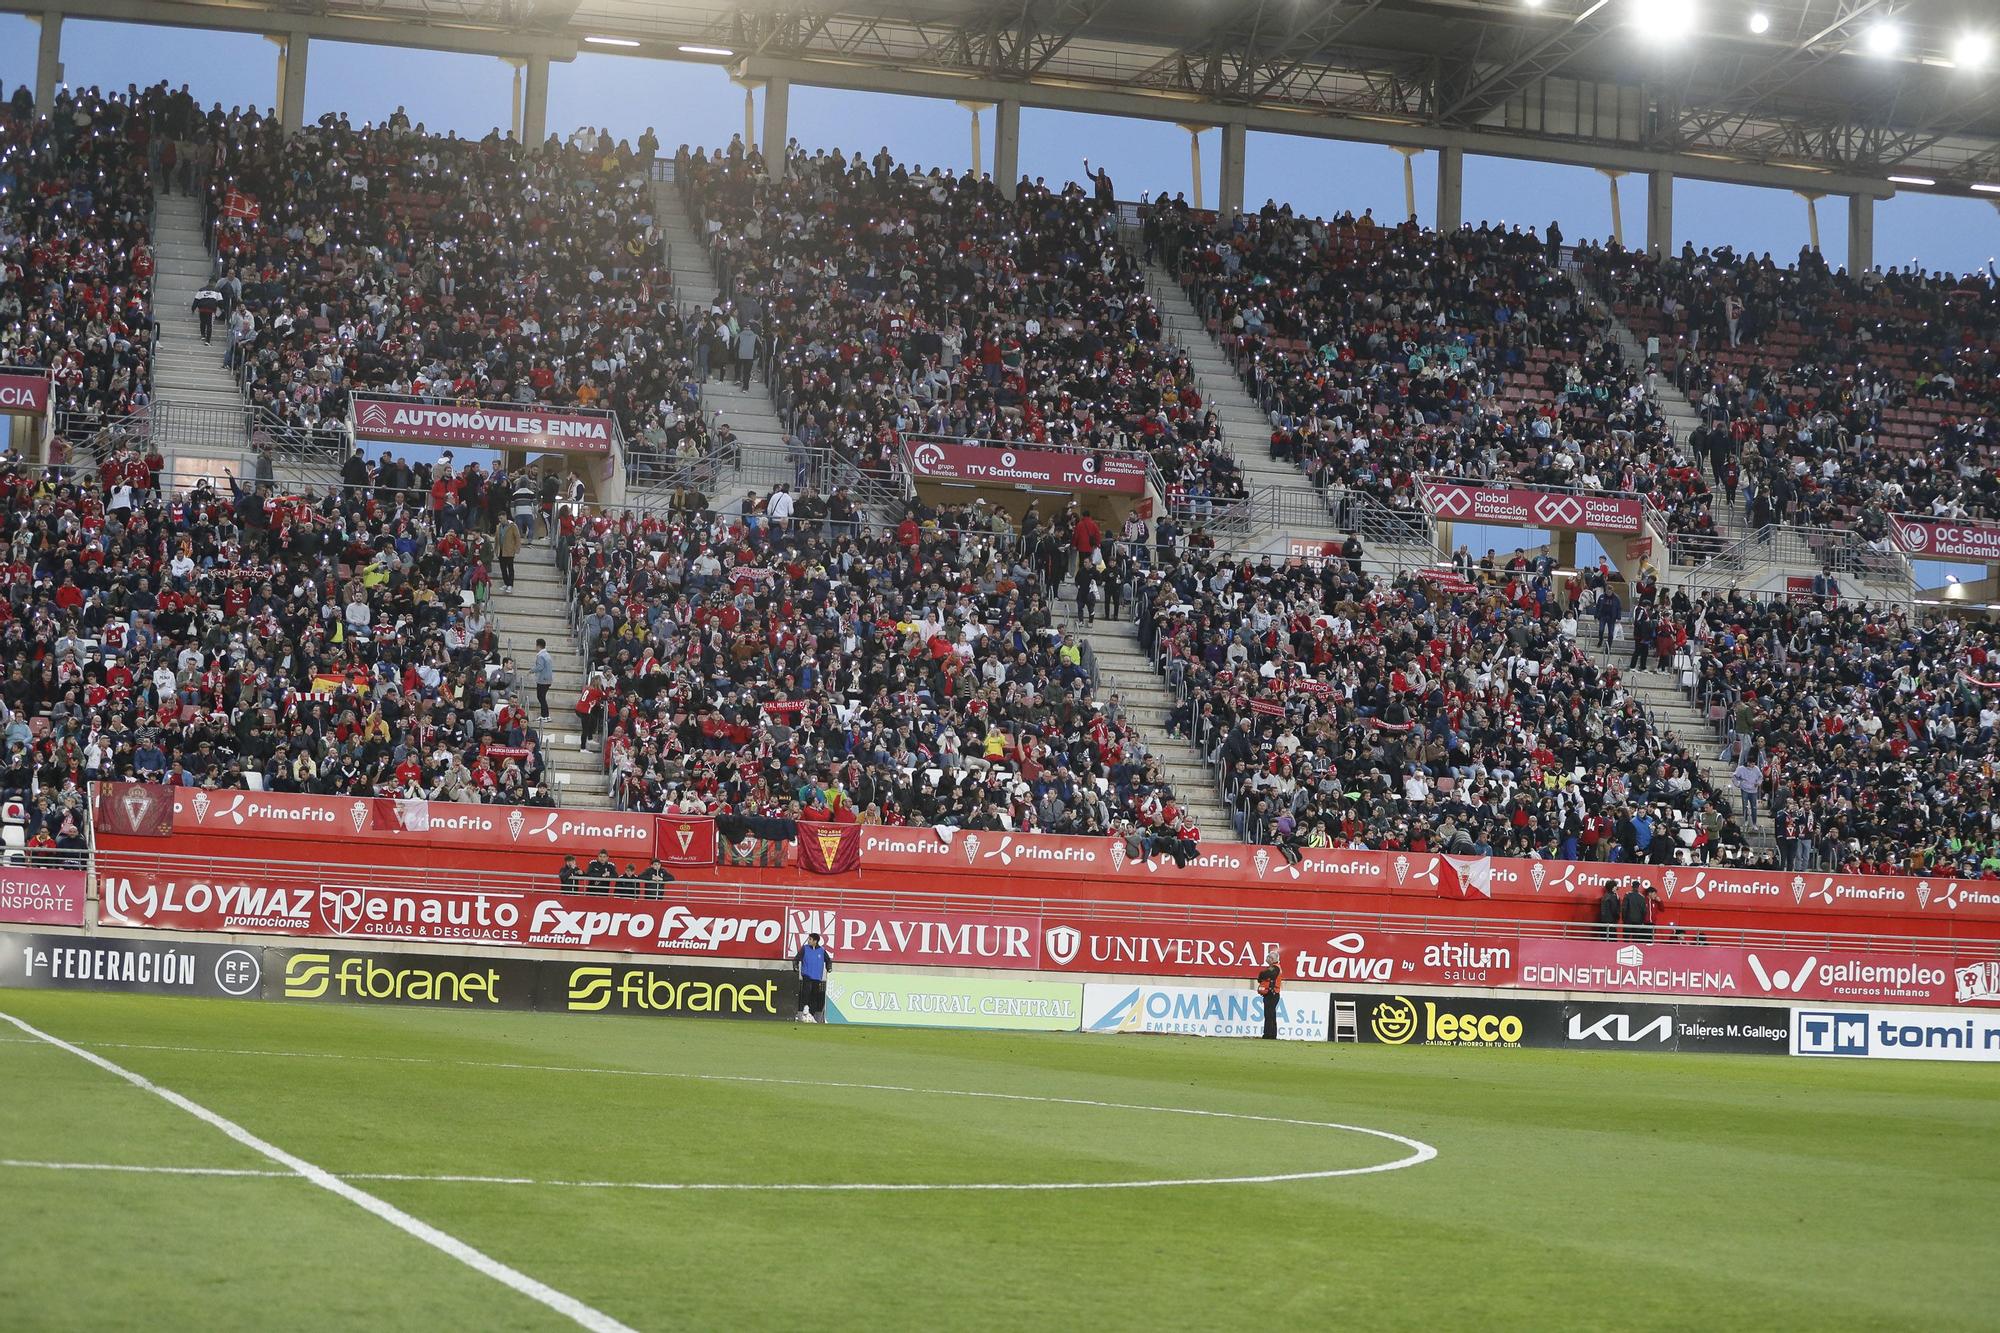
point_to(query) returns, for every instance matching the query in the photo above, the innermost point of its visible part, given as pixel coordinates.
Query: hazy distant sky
(697, 104)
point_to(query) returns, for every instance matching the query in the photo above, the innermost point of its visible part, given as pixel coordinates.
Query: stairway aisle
(186, 372)
(1122, 669)
(748, 412)
(1244, 425)
(1660, 691)
(538, 608)
(1675, 406)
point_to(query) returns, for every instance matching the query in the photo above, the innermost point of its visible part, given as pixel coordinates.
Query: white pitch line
(1420, 1152)
(567, 1306)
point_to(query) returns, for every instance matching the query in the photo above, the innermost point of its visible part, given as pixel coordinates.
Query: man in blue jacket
(814, 962)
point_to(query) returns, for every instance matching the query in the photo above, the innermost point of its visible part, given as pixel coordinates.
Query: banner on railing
(484, 425)
(1946, 539)
(1524, 507)
(370, 819)
(685, 840)
(24, 389)
(42, 895)
(932, 460)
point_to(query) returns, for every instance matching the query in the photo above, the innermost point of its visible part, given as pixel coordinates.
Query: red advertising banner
(23, 389)
(1946, 539)
(359, 910)
(934, 460)
(484, 425)
(1429, 875)
(685, 840)
(1645, 968)
(917, 936)
(42, 896)
(829, 849)
(1523, 507)
(524, 828)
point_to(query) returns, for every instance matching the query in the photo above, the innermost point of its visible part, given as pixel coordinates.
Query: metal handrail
(782, 894)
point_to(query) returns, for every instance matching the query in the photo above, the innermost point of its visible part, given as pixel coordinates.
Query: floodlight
(1760, 23)
(610, 41)
(1664, 20)
(1972, 50)
(1883, 37)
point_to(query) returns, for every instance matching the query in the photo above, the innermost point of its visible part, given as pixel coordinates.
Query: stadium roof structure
(1858, 90)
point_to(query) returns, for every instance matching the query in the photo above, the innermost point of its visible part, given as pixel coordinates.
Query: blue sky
(697, 104)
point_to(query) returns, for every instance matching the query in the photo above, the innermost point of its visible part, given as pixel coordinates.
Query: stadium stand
(75, 264)
(335, 643)
(1830, 400)
(896, 301)
(1429, 714)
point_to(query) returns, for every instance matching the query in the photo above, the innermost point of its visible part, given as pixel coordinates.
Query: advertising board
(908, 1000)
(1201, 1011)
(1462, 1020)
(76, 962)
(24, 389)
(42, 895)
(917, 936)
(1084, 944)
(937, 460)
(343, 977)
(666, 992)
(536, 427)
(681, 925)
(1522, 506)
(1896, 1034)
(1946, 539)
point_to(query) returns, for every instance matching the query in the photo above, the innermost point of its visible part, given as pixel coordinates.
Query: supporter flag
(1267, 707)
(135, 809)
(1465, 876)
(237, 204)
(753, 852)
(829, 849)
(685, 840)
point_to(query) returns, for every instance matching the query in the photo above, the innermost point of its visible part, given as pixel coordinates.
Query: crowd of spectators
(1830, 399)
(335, 643)
(1444, 713)
(1861, 737)
(889, 301)
(384, 258)
(1387, 353)
(800, 669)
(76, 266)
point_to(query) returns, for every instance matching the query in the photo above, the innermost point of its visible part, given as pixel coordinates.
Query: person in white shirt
(779, 508)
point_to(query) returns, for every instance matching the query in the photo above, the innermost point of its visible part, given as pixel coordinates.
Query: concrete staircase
(538, 608)
(1675, 714)
(748, 412)
(188, 375)
(1122, 669)
(1682, 418)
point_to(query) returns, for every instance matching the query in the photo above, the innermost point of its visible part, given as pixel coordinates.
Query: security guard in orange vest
(1269, 982)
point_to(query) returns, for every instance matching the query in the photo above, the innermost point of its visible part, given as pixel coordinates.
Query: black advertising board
(143, 967)
(1451, 1019)
(666, 991)
(343, 976)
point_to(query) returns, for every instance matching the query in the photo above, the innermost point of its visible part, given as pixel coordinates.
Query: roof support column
(535, 103)
(1860, 233)
(1451, 189)
(777, 122)
(972, 111)
(1007, 146)
(1235, 142)
(48, 60)
(292, 49)
(1660, 212)
(1409, 156)
(1617, 211)
(1194, 132)
(1812, 198)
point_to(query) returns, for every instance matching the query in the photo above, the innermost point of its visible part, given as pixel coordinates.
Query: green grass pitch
(1569, 1190)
